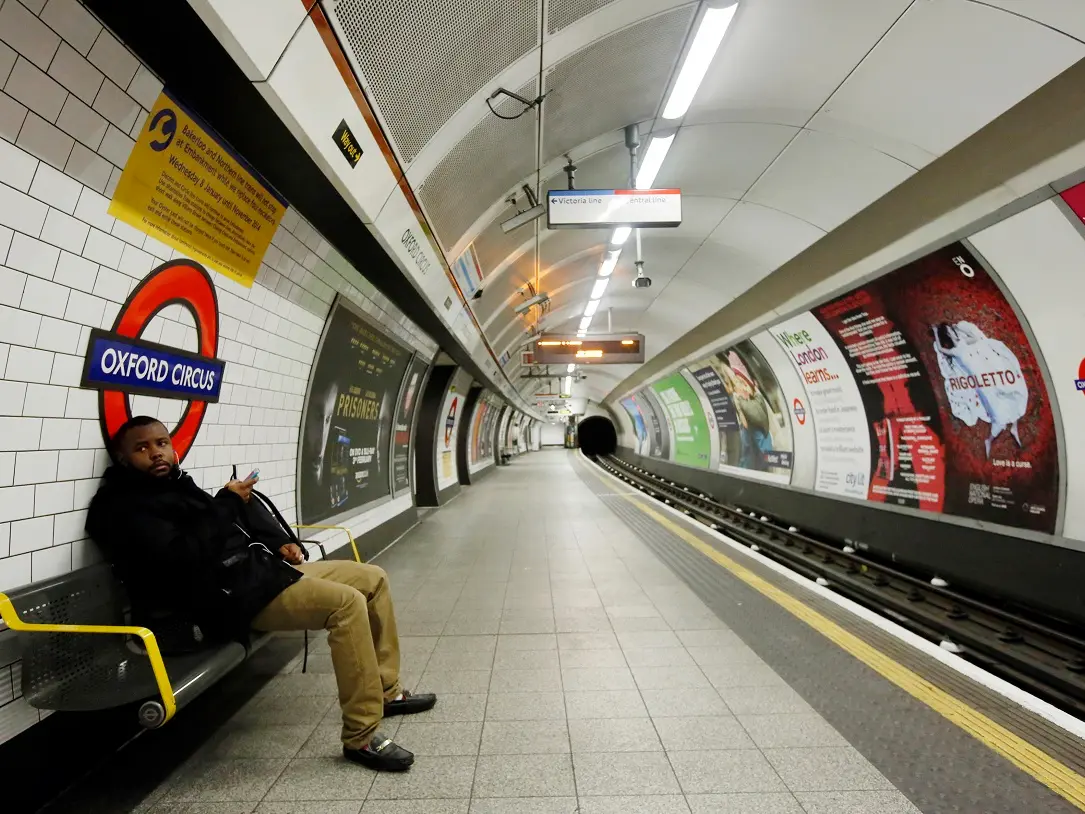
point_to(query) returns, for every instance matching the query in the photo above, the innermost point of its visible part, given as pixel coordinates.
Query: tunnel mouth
(597, 436)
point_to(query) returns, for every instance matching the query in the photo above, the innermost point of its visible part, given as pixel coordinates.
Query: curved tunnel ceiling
(809, 113)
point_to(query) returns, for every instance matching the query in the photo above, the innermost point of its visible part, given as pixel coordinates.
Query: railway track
(1038, 654)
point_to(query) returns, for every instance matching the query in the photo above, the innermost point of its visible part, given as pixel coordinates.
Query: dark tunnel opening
(597, 436)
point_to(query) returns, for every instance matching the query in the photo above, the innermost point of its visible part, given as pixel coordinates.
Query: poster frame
(336, 519)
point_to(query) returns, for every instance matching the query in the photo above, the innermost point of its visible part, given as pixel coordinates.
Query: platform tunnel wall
(828, 454)
(73, 99)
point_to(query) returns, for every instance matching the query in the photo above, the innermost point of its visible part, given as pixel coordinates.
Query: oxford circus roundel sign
(119, 363)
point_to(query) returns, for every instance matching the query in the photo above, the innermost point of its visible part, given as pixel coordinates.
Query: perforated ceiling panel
(480, 169)
(561, 13)
(423, 59)
(612, 82)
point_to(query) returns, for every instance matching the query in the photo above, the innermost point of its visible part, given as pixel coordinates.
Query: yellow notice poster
(185, 189)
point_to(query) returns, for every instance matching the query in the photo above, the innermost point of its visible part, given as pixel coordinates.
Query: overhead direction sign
(598, 208)
(608, 349)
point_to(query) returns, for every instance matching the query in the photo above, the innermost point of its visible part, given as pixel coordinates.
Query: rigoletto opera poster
(751, 411)
(346, 431)
(960, 419)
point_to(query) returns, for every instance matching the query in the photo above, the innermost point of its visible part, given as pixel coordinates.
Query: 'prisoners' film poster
(347, 426)
(959, 415)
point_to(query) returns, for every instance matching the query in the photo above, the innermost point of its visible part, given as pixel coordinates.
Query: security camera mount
(632, 142)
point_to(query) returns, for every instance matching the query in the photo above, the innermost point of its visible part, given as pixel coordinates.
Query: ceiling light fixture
(653, 160)
(591, 308)
(621, 234)
(570, 368)
(585, 324)
(600, 287)
(706, 42)
(569, 384)
(581, 333)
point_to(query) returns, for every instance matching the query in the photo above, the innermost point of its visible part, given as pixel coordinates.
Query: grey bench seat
(89, 664)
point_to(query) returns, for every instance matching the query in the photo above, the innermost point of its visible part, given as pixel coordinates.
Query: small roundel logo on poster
(799, 410)
(1079, 382)
(119, 363)
(450, 420)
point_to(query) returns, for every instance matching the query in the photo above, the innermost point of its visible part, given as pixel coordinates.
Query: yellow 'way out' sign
(185, 189)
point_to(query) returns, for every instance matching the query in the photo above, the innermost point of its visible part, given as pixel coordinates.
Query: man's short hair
(123, 430)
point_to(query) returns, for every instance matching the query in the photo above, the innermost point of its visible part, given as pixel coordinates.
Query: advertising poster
(751, 411)
(185, 189)
(640, 431)
(346, 434)
(446, 440)
(659, 436)
(960, 420)
(692, 444)
(482, 432)
(467, 271)
(832, 396)
(401, 439)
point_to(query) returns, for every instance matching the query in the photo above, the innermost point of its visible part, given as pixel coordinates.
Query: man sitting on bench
(192, 563)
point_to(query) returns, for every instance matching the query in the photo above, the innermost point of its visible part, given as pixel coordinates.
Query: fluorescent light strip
(585, 324)
(600, 287)
(568, 384)
(591, 308)
(570, 368)
(706, 42)
(621, 234)
(653, 160)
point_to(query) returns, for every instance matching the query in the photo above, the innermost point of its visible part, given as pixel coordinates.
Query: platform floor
(578, 673)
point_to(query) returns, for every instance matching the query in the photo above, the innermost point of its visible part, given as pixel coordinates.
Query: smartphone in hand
(254, 475)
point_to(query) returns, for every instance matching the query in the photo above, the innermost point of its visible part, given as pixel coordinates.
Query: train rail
(1026, 649)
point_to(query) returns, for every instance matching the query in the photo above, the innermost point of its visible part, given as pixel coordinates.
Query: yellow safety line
(158, 665)
(353, 545)
(1059, 778)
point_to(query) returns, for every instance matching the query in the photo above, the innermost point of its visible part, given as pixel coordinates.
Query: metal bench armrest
(324, 554)
(154, 654)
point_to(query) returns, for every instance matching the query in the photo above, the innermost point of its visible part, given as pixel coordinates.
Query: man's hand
(292, 553)
(242, 488)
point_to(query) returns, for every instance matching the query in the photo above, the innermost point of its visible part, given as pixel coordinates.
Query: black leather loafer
(381, 755)
(409, 704)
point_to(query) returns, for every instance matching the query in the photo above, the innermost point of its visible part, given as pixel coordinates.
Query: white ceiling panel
(723, 269)
(825, 179)
(783, 58)
(766, 235)
(1067, 16)
(722, 160)
(945, 70)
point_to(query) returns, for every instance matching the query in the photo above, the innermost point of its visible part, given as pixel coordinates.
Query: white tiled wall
(71, 97)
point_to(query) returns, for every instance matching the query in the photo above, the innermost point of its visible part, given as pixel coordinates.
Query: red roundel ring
(179, 282)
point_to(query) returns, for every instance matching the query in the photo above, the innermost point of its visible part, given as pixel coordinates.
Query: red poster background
(924, 455)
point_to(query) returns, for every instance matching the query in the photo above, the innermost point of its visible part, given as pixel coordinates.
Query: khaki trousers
(353, 603)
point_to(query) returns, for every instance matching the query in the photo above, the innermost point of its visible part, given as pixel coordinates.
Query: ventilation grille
(612, 82)
(492, 158)
(423, 59)
(566, 12)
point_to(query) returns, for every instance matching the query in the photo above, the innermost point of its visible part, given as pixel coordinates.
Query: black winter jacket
(183, 556)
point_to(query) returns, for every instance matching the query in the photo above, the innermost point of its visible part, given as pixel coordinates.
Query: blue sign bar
(146, 368)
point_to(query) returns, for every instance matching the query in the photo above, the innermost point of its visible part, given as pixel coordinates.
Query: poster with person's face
(959, 415)
(752, 414)
(401, 438)
(347, 423)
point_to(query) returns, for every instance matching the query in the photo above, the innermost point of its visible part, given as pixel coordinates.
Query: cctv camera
(477, 295)
(642, 282)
